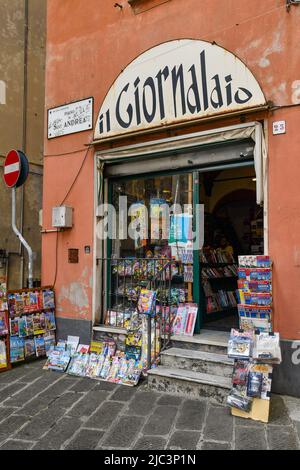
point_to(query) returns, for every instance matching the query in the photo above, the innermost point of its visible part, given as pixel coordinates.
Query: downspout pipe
(21, 238)
(24, 136)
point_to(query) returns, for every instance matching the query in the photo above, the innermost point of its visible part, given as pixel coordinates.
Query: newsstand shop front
(187, 125)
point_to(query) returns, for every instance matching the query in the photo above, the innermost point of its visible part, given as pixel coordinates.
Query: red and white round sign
(12, 168)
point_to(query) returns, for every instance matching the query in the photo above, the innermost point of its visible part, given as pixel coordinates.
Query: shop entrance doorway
(233, 227)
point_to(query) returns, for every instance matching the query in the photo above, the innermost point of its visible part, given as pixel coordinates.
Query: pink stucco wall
(89, 42)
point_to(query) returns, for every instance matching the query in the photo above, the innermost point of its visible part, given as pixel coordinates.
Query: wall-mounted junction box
(62, 217)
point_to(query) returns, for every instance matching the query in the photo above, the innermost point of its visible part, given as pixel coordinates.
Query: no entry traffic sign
(16, 169)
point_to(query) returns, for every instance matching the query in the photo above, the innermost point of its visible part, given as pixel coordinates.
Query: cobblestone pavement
(46, 410)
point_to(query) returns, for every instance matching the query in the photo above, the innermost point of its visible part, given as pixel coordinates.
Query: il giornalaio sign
(177, 81)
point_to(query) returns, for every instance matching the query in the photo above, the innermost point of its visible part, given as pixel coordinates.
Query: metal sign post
(21, 238)
(16, 170)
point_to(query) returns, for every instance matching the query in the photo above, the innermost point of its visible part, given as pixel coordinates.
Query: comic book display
(102, 360)
(32, 322)
(119, 359)
(254, 347)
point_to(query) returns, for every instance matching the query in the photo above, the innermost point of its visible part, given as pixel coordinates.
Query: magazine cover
(19, 304)
(37, 326)
(29, 347)
(255, 274)
(105, 368)
(92, 367)
(48, 299)
(255, 311)
(180, 320)
(72, 344)
(11, 305)
(112, 376)
(3, 324)
(50, 322)
(240, 344)
(83, 348)
(191, 318)
(22, 327)
(3, 357)
(14, 326)
(146, 302)
(261, 324)
(33, 301)
(49, 339)
(267, 348)
(3, 299)
(79, 364)
(97, 347)
(266, 370)
(26, 302)
(40, 348)
(29, 325)
(58, 359)
(17, 353)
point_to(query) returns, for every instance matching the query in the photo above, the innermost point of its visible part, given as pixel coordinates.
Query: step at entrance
(189, 383)
(207, 341)
(197, 361)
(195, 367)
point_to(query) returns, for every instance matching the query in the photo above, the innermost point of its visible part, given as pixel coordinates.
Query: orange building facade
(94, 50)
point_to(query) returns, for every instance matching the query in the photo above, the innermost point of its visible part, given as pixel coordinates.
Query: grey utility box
(62, 217)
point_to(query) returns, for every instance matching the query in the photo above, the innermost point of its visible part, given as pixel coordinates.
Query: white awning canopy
(193, 149)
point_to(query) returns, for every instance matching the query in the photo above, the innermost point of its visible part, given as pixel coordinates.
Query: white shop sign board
(177, 81)
(70, 118)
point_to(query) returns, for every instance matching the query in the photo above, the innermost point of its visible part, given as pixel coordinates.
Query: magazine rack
(26, 310)
(5, 338)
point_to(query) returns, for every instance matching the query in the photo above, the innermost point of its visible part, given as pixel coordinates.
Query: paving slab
(123, 393)
(208, 445)
(219, 424)
(87, 404)
(13, 444)
(11, 425)
(150, 443)
(63, 431)
(143, 403)
(160, 421)
(85, 440)
(282, 438)
(170, 400)
(184, 440)
(104, 416)
(124, 432)
(83, 385)
(278, 411)
(39, 424)
(5, 412)
(250, 438)
(192, 415)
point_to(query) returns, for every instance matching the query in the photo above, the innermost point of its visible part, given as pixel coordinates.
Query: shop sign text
(176, 81)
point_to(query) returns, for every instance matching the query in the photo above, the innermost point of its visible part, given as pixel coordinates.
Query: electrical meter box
(62, 217)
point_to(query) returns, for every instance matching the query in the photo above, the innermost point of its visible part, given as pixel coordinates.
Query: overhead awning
(229, 144)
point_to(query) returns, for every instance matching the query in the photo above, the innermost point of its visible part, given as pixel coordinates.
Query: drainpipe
(21, 238)
(24, 136)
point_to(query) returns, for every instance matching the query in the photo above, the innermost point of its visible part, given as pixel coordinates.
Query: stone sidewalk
(47, 410)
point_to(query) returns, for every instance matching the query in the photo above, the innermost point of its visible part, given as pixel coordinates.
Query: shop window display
(233, 226)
